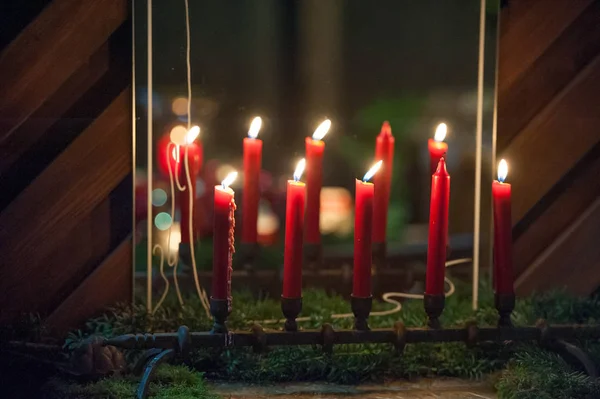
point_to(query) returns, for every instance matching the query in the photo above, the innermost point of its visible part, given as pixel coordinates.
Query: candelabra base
(505, 304)
(434, 305)
(361, 307)
(291, 308)
(219, 309)
(166, 347)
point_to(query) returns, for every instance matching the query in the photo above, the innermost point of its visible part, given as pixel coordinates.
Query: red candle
(503, 269)
(294, 228)
(223, 238)
(437, 147)
(251, 198)
(384, 150)
(363, 233)
(314, 180)
(190, 153)
(438, 230)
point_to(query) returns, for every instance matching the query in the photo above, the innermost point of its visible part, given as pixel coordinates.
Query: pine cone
(92, 358)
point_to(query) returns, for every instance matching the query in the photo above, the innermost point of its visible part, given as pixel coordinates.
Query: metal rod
(315, 337)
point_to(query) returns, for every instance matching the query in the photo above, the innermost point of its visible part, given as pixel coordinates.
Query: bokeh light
(178, 135)
(159, 197)
(163, 221)
(179, 106)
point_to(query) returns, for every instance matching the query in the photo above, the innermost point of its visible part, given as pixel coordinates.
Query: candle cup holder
(219, 309)
(291, 308)
(434, 305)
(361, 307)
(313, 255)
(505, 304)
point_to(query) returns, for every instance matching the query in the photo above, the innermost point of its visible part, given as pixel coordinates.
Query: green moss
(528, 370)
(169, 382)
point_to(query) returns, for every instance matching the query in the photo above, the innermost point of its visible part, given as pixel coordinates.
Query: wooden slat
(573, 260)
(554, 140)
(520, 101)
(111, 282)
(43, 214)
(531, 31)
(54, 107)
(75, 257)
(580, 192)
(43, 57)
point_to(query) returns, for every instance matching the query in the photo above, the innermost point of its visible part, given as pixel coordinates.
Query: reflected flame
(440, 132)
(502, 170)
(175, 153)
(255, 127)
(322, 130)
(229, 179)
(192, 134)
(299, 169)
(371, 172)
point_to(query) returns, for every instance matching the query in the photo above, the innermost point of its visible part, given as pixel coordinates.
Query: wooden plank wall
(549, 132)
(65, 140)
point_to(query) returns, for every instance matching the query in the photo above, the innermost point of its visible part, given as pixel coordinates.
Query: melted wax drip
(232, 208)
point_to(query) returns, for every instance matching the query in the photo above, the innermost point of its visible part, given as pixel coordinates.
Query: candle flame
(440, 132)
(192, 134)
(230, 178)
(175, 153)
(299, 169)
(255, 127)
(371, 172)
(502, 170)
(322, 130)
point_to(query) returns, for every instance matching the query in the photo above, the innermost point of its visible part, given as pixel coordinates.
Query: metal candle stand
(165, 347)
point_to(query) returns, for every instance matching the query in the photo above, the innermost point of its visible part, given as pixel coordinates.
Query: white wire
(199, 289)
(386, 297)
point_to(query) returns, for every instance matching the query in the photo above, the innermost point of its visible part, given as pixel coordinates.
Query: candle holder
(313, 255)
(167, 347)
(220, 310)
(361, 307)
(505, 304)
(434, 305)
(291, 308)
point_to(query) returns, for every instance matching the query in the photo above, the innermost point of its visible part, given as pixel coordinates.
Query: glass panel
(358, 63)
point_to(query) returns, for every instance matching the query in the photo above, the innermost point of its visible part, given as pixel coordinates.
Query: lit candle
(314, 180)
(384, 150)
(223, 238)
(252, 161)
(363, 232)
(438, 230)
(437, 147)
(501, 193)
(190, 153)
(294, 228)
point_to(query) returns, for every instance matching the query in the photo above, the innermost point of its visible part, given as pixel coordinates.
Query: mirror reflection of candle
(189, 159)
(315, 147)
(437, 147)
